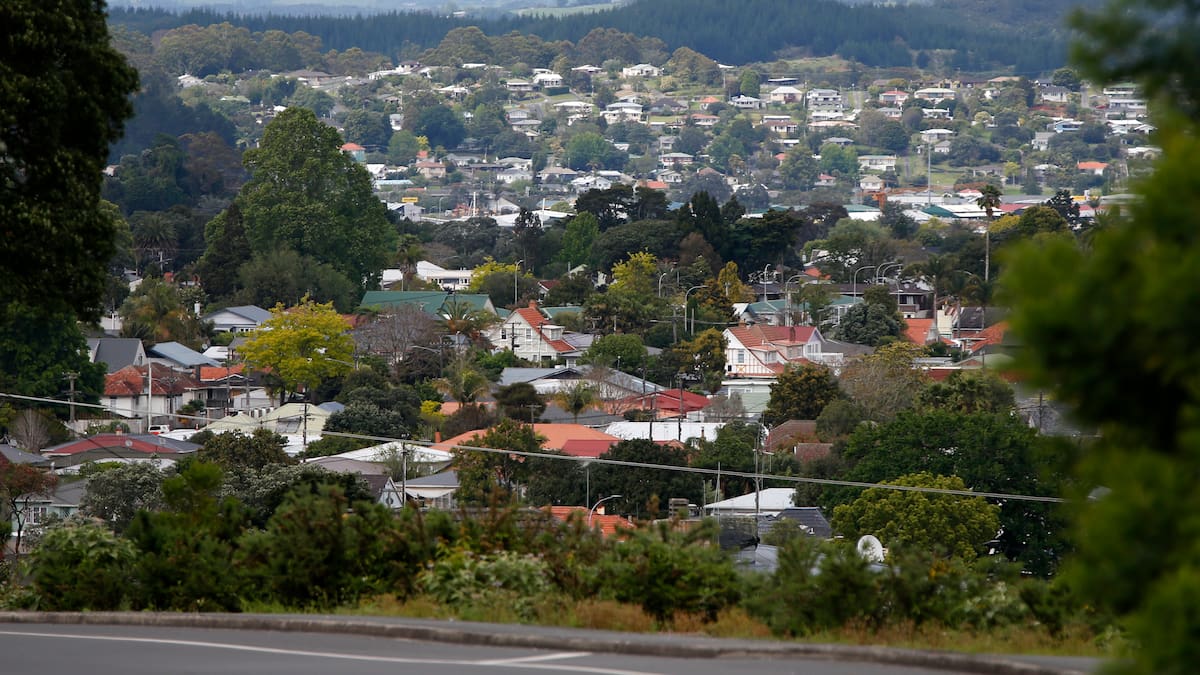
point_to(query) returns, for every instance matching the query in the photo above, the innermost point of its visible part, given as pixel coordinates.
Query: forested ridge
(751, 31)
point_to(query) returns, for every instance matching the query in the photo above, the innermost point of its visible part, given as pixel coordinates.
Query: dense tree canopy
(63, 99)
(304, 194)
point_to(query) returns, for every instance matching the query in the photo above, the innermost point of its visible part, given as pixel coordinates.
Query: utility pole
(71, 377)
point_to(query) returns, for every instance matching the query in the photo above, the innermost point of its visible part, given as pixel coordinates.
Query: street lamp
(660, 280)
(883, 269)
(516, 271)
(685, 308)
(766, 272)
(854, 279)
(596, 505)
(787, 299)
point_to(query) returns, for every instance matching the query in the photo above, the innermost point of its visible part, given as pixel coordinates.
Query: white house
(934, 94)
(532, 336)
(784, 94)
(827, 100)
(547, 78)
(935, 135)
(240, 319)
(761, 351)
(641, 70)
(877, 162)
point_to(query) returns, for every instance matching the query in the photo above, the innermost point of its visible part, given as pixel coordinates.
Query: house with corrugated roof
(533, 336)
(762, 351)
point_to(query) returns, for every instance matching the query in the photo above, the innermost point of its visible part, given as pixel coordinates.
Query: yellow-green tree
(952, 525)
(636, 275)
(301, 345)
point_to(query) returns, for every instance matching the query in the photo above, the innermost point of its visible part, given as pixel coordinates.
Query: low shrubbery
(318, 550)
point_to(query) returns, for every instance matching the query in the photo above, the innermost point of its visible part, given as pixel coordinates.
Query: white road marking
(523, 663)
(534, 659)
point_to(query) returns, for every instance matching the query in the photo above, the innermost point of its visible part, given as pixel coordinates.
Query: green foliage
(645, 491)
(261, 490)
(64, 97)
(963, 392)
(117, 491)
(305, 194)
(953, 525)
(185, 551)
(590, 150)
(462, 579)
(801, 394)
(306, 556)
(38, 349)
(234, 449)
(668, 572)
(520, 401)
(81, 566)
(494, 477)
(618, 350)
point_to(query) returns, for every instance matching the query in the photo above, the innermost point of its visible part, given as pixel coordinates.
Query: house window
(528, 333)
(35, 515)
(741, 356)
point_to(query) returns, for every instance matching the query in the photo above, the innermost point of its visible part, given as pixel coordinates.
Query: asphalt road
(43, 649)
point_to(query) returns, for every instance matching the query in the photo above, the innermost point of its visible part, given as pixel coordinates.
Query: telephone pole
(71, 377)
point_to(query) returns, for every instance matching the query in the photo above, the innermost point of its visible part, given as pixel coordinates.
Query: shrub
(666, 571)
(464, 580)
(81, 566)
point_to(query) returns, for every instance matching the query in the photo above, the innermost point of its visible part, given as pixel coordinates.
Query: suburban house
(116, 353)
(870, 183)
(431, 169)
(575, 440)
(153, 389)
(532, 336)
(356, 152)
(782, 125)
(824, 100)
(877, 162)
(240, 319)
(124, 448)
(894, 97)
(641, 70)
(762, 351)
(784, 95)
(543, 78)
(934, 94)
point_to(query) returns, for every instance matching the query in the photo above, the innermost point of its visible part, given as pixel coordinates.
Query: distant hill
(1027, 36)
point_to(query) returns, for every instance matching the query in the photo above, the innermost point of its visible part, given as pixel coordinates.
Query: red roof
(667, 402)
(918, 331)
(213, 373)
(131, 381)
(568, 438)
(609, 525)
(992, 335)
(120, 442)
(534, 317)
(1091, 166)
(759, 335)
(352, 147)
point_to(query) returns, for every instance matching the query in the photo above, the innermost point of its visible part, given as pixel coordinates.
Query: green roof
(554, 312)
(430, 302)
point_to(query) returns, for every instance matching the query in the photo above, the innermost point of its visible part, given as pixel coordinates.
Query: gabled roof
(769, 336)
(532, 316)
(181, 354)
(116, 353)
(221, 373)
(563, 437)
(131, 381)
(14, 455)
(249, 312)
(808, 517)
(608, 525)
(123, 444)
(430, 302)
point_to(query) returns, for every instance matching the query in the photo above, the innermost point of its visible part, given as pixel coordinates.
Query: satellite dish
(870, 548)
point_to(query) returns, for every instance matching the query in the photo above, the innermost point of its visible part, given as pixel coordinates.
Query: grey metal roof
(443, 479)
(808, 517)
(251, 312)
(514, 375)
(16, 455)
(116, 353)
(182, 355)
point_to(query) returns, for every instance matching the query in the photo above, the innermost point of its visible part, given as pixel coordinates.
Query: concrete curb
(540, 637)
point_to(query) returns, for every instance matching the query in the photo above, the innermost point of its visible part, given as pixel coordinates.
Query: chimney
(437, 437)
(533, 304)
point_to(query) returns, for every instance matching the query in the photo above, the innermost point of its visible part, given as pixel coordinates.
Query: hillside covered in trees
(962, 34)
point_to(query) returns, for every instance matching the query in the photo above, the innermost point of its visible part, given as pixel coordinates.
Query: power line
(626, 463)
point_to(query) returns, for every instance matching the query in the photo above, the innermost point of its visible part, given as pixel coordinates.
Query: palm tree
(460, 317)
(937, 269)
(989, 201)
(576, 398)
(408, 254)
(463, 382)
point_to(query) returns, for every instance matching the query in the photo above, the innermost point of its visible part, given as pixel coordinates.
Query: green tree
(644, 491)
(495, 477)
(64, 98)
(966, 392)
(81, 566)
(463, 382)
(305, 194)
(801, 393)
(918, 521)
(403, 147)
(521, 402)
(885, 382)
(440, 125)
(590, 150)
(235, 449)
(748, 83)
(116, 492)
(577, 397)
(798, 170)
(301, 345)
(40, 348)
(577, 241)
(619, 350)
